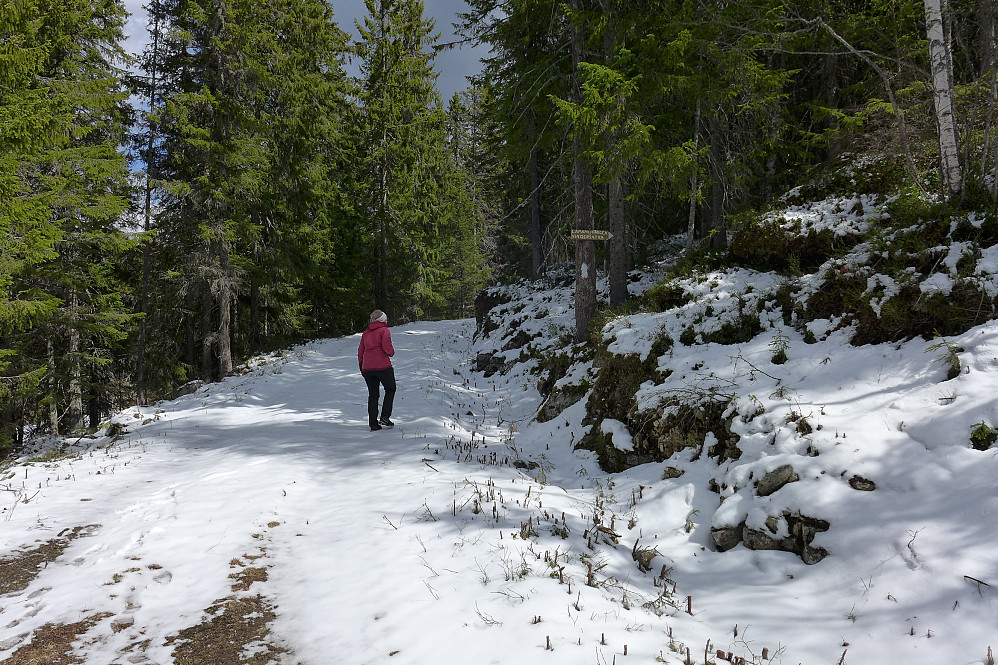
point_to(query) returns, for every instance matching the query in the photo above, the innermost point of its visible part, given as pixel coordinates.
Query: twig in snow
(487, 619)
(385, 518)
(979, 583)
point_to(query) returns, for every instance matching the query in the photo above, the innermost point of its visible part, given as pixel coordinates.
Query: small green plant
(982, 436)
(779, 345)
(690, 524)
(947, 353)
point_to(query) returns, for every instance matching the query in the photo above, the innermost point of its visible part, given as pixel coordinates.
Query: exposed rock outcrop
(796, 537)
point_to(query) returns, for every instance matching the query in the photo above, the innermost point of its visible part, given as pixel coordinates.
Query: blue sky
(453, 65)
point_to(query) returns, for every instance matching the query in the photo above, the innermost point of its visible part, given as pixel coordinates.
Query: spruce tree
(68, 184)
(406, 155)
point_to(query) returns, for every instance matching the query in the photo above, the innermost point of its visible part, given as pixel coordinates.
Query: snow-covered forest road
(259, 520)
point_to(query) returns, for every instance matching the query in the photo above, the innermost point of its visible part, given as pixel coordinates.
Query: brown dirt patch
(237, 629)
(247, 576)
(53, 643)
(17, 571)
(235, 624)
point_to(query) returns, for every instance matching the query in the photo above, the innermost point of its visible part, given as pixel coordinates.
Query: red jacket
(376, 348)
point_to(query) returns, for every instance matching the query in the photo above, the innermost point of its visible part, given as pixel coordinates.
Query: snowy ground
(427, 544)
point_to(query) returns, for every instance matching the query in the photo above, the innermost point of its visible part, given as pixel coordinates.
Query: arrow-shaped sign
(590, 234)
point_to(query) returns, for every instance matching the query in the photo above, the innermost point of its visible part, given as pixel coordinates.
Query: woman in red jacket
(374, 357)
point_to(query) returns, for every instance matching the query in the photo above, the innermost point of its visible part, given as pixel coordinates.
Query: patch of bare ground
(237, 629)
(53, 643)
(235, 634)
(17, 571)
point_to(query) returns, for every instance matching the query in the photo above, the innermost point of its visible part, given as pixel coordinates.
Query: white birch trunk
(941, 62)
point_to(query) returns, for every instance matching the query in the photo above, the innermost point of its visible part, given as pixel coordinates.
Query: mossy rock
(661, 435)
(611, 460)
(742, 330)
(553, 368)
(560, 399)
(986, 235)
(769, 246)
(613, 396)
(519, 340)
(843, 178)
(665, 296)
(616, 384)
(485, 302)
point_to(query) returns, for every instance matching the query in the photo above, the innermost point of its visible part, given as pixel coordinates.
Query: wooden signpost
(590, 234)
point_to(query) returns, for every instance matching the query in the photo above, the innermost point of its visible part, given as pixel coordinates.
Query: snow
(468, 532)
(841, 215)
(617, 430)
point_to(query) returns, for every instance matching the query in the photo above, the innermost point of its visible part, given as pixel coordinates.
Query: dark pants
(386, 378)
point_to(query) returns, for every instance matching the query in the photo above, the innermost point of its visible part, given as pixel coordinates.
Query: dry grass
(54, 643)
(17, 571)
(223, 639)
(247, 576)
(237, 630)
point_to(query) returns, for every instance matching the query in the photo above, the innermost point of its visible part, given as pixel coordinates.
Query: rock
(862, 484)
(526, 465)
(558, 401)
(489, 363)
(188, 388)
(776, 479)
(727, 537)
(812, 555)
(672, 472)
(801, 532)
(760, 540)
(484, 302)
(519, 340)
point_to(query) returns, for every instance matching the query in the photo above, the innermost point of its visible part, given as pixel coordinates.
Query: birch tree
(941, 62)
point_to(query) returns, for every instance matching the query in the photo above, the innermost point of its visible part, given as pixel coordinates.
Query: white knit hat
(378, 315)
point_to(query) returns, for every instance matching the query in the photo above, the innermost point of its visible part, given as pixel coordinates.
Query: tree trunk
(93, 406)
(713, 220)
(206, 335)
(691, 229)
(582, 178)
(941, 62)
(381, 233)
(619, 254)
(536, 234)
(255, 340)
(74, 417)
(224, 313)
(988, 43)
(616, 220)
(140, 367)
(53, 393)
(190, 332)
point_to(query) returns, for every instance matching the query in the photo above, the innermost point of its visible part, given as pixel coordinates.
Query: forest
(233, 189)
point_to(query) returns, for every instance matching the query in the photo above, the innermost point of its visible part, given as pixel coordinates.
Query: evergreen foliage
(64, 188)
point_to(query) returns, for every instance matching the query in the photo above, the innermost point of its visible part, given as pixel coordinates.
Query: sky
(454, 65)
